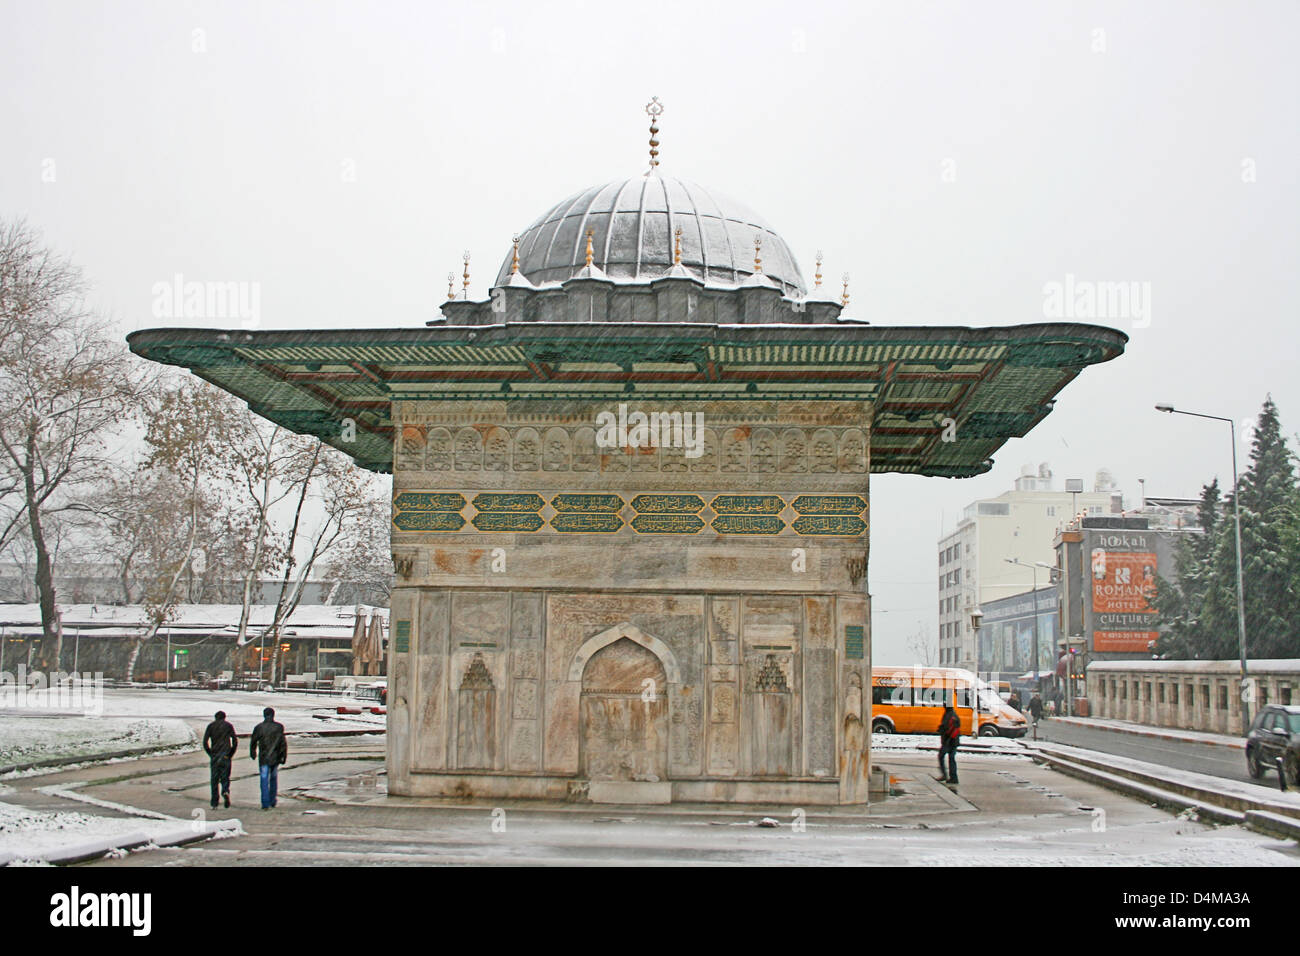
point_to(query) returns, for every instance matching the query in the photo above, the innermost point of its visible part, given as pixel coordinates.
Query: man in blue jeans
(268, 747)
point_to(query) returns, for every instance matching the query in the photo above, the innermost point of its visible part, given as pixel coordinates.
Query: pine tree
(1268, 505)
(1198, 611)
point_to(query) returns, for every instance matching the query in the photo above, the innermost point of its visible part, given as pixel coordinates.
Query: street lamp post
(1236, 518)
(1033, 603)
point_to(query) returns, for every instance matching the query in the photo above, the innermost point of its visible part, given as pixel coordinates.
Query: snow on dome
(633, 223)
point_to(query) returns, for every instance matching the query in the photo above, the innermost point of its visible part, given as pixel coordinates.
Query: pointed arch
(619, 631)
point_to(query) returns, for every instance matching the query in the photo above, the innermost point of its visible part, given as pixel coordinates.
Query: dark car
(1274, 734)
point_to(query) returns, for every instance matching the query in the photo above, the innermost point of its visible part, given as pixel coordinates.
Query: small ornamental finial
(465, 274)
(817, 277)
(758, 249)
(451, 286)
(654, 108)
(514, 262)
(844, 297)
(590, 233)
(677, 246)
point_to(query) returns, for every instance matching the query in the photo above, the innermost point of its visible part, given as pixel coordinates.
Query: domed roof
(633, 223)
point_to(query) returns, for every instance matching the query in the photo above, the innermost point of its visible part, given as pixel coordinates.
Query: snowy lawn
(34, 835)
(243, 709)
(28, 739)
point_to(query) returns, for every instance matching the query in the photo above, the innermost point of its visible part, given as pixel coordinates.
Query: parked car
(1274, 734)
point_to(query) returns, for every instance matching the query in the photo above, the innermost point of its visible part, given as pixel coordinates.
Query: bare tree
(185, 431)
(922, 645)
(66, 385)
(361, 569)
(268, 464)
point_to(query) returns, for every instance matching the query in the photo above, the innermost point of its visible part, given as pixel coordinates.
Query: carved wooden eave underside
(991, 383)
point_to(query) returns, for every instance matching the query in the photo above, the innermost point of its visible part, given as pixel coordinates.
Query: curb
(1273, 824)
(1133, 788)
(96, 758)
(128, 841)
(1242, 809)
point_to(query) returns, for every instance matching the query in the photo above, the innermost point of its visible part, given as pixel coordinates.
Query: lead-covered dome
(633, 223)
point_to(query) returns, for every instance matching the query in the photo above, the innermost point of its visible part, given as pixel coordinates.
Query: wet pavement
(334, 809)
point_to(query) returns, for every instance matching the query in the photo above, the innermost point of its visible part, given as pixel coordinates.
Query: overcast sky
(954, 157)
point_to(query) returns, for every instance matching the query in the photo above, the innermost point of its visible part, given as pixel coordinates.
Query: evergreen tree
(1198, 612)
(1268, 507)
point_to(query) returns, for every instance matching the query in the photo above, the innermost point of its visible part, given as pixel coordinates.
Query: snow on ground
(33, 835)
(28, 739)
(243, 708)
(138, 718)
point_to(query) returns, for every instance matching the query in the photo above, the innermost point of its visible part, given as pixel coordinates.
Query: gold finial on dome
(758, 257)
(514, 262)
(677, 246)
(465, 274)
(451, 286)
(654, 108)
(590, 233)
(844, 297)
(817, 276)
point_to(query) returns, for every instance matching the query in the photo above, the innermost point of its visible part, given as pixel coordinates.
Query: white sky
(833, 120)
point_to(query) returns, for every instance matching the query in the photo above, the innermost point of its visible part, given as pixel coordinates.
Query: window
(994, 508)
(1051, 511)
(1223, 697)
(1160, 693)
(1148, 694)
(1123, 690)
(891, 696)
(1205, 696)
(1286, 694)
(1173, 693)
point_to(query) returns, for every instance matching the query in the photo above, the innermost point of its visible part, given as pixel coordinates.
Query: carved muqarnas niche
(771, 678)
(403, 563)
(477, 676)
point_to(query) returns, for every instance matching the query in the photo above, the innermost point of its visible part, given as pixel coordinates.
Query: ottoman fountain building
(631, 497)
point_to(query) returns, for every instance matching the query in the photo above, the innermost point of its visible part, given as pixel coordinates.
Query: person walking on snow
(220, 744)
(949, 732)
(1036, 707)
(268, 747)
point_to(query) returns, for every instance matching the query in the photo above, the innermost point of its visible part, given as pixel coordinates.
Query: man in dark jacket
(220, 744)
(949, 732)
(268, 747)
(1036, 707)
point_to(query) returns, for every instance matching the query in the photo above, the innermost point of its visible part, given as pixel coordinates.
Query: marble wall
(626, 632)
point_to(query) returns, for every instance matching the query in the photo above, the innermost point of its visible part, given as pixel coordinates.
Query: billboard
(1123, 582)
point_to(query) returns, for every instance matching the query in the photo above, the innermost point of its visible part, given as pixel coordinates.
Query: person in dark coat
(1014, 700)
(220, 744)
(268, 747)
(1036, 707)
(949, 732)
